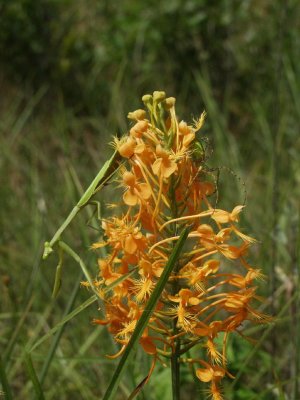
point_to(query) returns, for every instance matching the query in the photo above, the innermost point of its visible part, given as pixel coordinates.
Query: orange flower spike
(166, 188)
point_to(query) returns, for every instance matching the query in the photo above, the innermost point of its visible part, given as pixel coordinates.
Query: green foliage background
(70, 72)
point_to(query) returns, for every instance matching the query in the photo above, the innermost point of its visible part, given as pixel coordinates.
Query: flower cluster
(211, 291)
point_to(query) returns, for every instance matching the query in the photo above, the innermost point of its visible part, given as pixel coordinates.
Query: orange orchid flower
(135, 191)
(164, 165)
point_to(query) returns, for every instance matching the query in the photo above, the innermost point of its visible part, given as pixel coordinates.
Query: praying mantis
(101, 179)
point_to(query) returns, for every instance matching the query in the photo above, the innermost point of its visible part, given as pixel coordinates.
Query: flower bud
(147, 98)
(169, 102)
(159, 96)
(138, 129)
(137, 115)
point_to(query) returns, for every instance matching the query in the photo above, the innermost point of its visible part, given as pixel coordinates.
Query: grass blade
(59, 333)
(142, 323)
(262, 338)
(14, 336)
(78, 310)
(4, 382)
(33, 376)
(67, 318)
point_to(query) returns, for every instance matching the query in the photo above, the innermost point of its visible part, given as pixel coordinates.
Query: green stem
(175, 368)
(175, 363)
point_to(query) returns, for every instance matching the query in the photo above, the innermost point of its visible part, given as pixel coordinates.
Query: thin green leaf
(59, 333)
(67, 318)
(143, 321)
(4, 382)
(15, 335)
(33, 376)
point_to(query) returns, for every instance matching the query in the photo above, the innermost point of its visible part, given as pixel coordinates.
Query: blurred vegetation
(70, 72)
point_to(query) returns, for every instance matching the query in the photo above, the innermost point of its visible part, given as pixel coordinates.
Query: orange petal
(235, 212)
(211, 266)
(168, 169)
(117, 354)
(202, 331)
(187, 139)
(130, 198)
(221, 216)
(100, 321)
(156, 166)
(98, 245)
(145, 190)
(126, 149)
(207, 188)
(205, 375)
(139, 148)
(193, 301)
(130, 245)
(148, 345)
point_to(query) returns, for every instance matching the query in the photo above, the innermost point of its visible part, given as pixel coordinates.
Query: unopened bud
(147, 98)
(137, 115)
(159, 96)
(169, 102)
